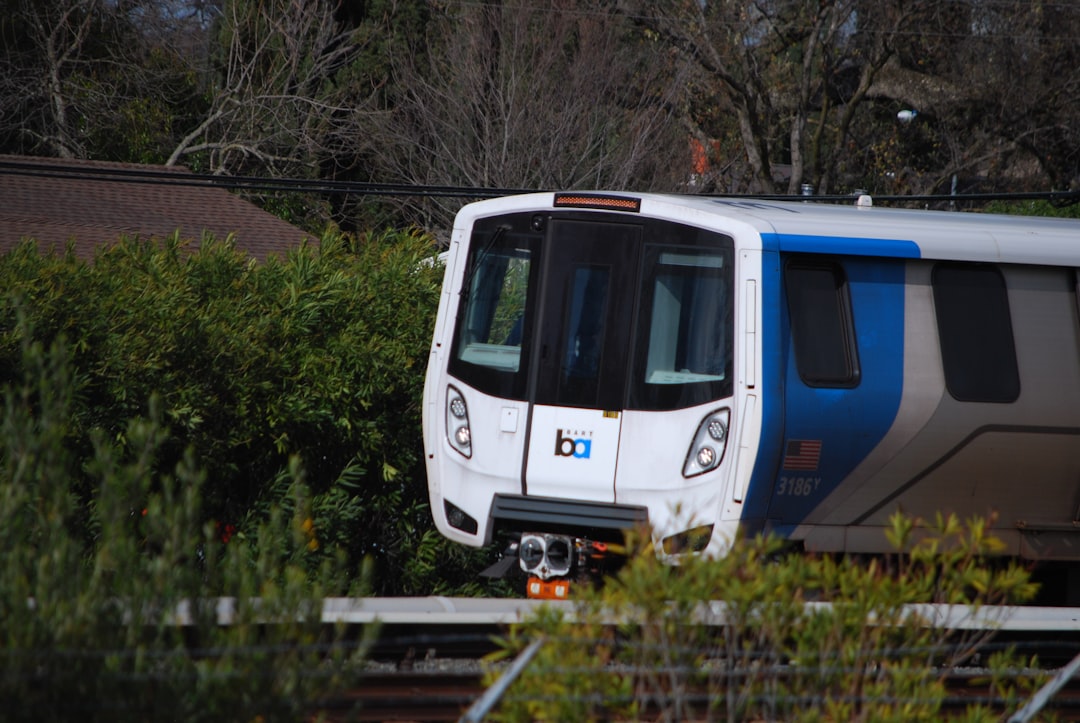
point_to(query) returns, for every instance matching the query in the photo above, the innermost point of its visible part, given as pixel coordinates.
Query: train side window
(975, 331)
(822, 330)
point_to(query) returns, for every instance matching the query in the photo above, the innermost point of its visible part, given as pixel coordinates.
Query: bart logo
(569, 446)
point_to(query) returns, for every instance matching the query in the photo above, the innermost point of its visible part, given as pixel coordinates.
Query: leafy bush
(110, 577)
(1034, 208)
(779, 655)
(318, 356)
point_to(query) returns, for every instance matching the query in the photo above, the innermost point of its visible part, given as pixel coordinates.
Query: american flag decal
(802, 454)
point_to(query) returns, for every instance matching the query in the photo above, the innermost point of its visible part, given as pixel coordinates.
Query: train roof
(876, 231)
(814, 227)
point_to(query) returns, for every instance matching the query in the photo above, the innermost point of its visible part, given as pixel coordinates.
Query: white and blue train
(706, 365)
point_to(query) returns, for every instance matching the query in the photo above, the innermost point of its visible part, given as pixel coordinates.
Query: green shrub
(110, 577)
(318, 356)
(779, 655)
(1034, 208)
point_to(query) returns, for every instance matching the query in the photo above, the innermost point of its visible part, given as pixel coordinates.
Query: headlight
(707, 450)
(705, 457)
(458, 432)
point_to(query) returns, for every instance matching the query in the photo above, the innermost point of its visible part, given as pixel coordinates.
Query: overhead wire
(247, 183)
(179, 177)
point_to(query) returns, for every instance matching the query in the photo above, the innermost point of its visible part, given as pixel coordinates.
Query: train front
(581, 382)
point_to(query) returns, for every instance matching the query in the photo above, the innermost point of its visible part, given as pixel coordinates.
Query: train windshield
(596, 311)
(490, 349)
(684, 340)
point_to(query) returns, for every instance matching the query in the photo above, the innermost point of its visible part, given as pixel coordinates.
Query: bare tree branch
(538, 95)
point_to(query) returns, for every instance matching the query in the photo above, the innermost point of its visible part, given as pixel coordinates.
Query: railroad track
(425, 665)
(432, 695)
(414, 695)
(419, 695)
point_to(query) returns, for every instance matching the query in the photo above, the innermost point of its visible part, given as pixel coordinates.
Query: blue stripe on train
(840, 426)
(896, 248)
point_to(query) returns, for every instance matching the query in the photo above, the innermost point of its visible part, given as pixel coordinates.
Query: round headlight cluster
(458, 432)
(707, 449)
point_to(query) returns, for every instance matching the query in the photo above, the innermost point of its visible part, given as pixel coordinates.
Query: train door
(844, 375)
(582, 354)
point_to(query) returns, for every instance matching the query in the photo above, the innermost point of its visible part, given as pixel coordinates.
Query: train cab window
(687, 336)
(584, 333)
(975, 330)
(822, 330)
(488, 346)
(685, 321)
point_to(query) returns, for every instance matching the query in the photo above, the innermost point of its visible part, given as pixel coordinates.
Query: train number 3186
(797, 486)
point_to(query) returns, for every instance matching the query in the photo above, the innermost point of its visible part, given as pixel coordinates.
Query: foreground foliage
(317, 356)
(779, 655)
(110, 577)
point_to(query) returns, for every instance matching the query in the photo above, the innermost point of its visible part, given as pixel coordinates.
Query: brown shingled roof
(55, 200)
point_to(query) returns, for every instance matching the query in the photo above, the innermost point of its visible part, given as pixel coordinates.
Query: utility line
(247, 183)
(177, 177)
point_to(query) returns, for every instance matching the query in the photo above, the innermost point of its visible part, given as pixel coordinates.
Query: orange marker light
(588, 200)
